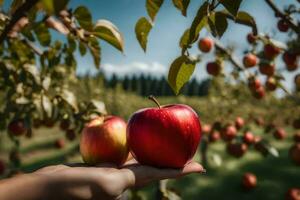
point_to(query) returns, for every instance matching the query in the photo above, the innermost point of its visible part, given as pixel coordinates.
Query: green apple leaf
(108, 32)
(231, 5)
(153, 7)
(84, 17)
(182, 5)
(142, 29)
(180, 72)
(199, 22)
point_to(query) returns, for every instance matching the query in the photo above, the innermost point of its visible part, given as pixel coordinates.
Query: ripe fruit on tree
(205, 44)
(251, 38)
(17, 127)
(293, 194)
(289, 58)
(206, 128)
(254, 83)
(267, 69)
(213, 68)
(296, 123)
(239, 122)
(104, 140)
(214, 136)
(48, 122)
(229, 132)
(259, 93)
(167, 136)
(271, 84)
(64, 124)
(59, 143)
(236, 149)
(294, 153)
(70, 134)
(249, 181)
(250, 60)
(279, 133)
(297, 137)
(282, 26)
(271, 51)
(259, 121)
(248, 137)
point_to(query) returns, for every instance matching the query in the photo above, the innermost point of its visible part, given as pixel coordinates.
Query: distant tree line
(148, 85)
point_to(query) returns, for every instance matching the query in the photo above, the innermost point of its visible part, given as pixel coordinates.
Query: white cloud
(135, 68)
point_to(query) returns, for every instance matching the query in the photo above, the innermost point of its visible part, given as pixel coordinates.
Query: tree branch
(278, 12)
(18, 14)
(33, 47)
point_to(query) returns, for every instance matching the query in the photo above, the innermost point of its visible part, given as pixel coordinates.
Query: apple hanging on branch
(166, 136)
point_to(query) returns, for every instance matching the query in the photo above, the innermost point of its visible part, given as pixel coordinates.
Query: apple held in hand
(167, 136)
(104, 140)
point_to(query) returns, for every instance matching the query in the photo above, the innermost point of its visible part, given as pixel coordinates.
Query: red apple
(271, 51)
(249, 181)
(167, 136)
(213, 68)
(59, 143)
(293, 194)
(267, 69)
(254, 83)
(294, 153)
(282, 26)
(64, 124)
(248, 137)
(250, 60)
(259, 93)
(236, 149)
(271, 84)
(289, 58)
(279, 133)
(297, 137)
(239, 122)
(17, 127)
(229, 132)
(205, 44)
(104, 140)
(206, 128)
(251, 38)
(70, 134)
(214, 136)
(296, 123)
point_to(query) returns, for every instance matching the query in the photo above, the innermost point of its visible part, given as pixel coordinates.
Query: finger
(102, 165)
(136, 175)
(51, 169)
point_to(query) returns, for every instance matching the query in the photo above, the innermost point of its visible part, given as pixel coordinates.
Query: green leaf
(153, 7)
(246, 18)
(180, 72)
(69, 98)
(99, 106)
(217, 23)
(184, 40)
(95, 50)
(211, 25)
(43, 34)
(231, 5)
(142, 29)
(84, 17)
(54, 6)
(82, 48)
(108, 32)
(46, 105)
(182, 5)
(199, 22)
(33, 70)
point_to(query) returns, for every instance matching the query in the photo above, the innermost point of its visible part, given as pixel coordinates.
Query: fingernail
(203, 171)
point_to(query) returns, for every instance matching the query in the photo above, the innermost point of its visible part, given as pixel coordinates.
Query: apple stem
(151, 97)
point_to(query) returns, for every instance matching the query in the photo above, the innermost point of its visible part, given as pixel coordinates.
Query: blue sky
(163, 39)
